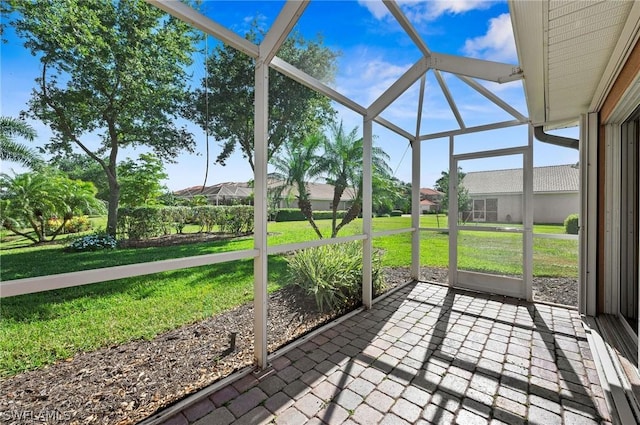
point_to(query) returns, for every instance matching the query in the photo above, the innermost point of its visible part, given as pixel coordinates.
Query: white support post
(260, 267)
(588, 214)
(612, 195)
(453, 215)
(527, 236)
(415, 188)
(367, 207)
(415, 209)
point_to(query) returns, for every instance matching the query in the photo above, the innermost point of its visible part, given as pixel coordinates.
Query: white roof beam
(423, 82)
(186, 13)
(450, 100)
(391, 126)
(314, 84)
(400, 86)
(281, 28)
(406, 25)
(468, 130)
(476, 68)
(189, 15)
(492, 97)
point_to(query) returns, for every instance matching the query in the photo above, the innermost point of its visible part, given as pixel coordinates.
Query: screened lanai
(487, 311)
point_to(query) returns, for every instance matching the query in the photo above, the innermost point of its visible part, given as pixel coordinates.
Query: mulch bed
(127, 383)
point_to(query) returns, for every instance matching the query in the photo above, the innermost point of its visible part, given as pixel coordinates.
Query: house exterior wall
(509, 207)
(548, 208)
(553, 208)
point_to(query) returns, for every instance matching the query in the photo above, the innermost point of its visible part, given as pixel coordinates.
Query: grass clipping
(332, 274)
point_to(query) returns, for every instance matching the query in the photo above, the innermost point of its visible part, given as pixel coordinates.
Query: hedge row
(148, 222)
(294, 214)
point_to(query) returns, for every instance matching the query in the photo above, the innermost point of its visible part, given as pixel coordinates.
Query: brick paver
(426, 354)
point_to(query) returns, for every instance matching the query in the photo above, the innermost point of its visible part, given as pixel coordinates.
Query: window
(485, 210)
(478, 210)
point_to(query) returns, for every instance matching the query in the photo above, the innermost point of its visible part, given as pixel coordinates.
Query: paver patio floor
(426, 354)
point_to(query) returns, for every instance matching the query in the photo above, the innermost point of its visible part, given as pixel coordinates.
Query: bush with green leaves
(141, 222)
(333, 274)
(94, 242)
(206, 216)
(177, 217)
(571, 225)
(294, 214)
(236, 219)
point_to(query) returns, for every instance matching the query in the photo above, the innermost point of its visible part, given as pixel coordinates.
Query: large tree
(112, 68)
(12, 150)
(341, 163)
(224, 104)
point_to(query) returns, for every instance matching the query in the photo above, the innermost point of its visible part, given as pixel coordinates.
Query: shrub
(333, 274)
(52, 225)
(95, 242)
(141, 222)
(176, 217)
(571, 224)
(78, 224)
(396, 213)
(75, 224)
(237, 219)
(289, 214)
(294, 214)
(207, 216)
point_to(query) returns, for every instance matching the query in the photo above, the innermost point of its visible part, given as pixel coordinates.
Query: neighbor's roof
(555, 178)
(429, 191)
(241, 190)
(570, 53)
(238, 190)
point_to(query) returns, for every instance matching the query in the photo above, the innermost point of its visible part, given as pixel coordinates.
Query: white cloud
(376, 7)
(366, 76)
(425, 11)
(498, 44)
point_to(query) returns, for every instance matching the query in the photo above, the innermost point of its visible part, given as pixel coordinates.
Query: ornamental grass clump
(94, 242)
(332, 274)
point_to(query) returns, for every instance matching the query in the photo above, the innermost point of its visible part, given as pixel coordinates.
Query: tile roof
(317, 191)
(429, 191)
(555, 178)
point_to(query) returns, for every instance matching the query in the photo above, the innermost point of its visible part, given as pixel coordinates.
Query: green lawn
(38, 329)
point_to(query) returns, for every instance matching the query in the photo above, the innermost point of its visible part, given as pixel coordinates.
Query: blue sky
(374, 53)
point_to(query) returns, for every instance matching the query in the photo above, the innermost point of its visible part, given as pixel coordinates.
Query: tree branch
(64, 125)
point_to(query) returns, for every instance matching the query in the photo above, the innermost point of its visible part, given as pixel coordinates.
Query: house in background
(430, 200)
(496, 196)
(230, 193)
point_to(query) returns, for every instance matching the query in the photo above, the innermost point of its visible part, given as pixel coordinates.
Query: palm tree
(29, 200)
(10, 150)
(296, 166)
(341, 162)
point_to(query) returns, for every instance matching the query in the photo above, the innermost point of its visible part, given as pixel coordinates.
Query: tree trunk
(351, 215)
(114, 199)
(8, 226)
(337, 194)
(41, 231)
(305, 208)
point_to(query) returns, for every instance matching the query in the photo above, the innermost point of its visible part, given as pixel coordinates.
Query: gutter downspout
(566, 142)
